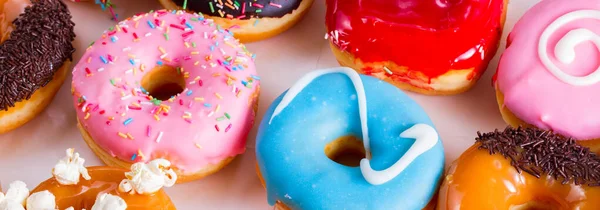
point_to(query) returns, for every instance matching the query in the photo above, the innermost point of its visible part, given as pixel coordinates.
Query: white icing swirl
(106, 201)
(425, 135)
(68, 170)
(564, 50)
(43, 200)
(148, 178)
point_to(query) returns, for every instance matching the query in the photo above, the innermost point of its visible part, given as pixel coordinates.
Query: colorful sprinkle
(189, 26)
(128, 121)
(387, 70)
(122, 135)
(151, 24)
(140, 154)
(212, 9)
(273, 4)
(159, 137)
(218, 96)
(103, 60)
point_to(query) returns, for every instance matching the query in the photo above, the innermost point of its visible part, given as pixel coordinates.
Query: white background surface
(30, 152)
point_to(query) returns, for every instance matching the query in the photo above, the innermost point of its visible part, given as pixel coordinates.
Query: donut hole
(163, 82)
(346, 150)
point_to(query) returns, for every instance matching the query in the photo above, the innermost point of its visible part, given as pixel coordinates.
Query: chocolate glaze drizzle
(242, 9)
(540, 152)
(37, 47)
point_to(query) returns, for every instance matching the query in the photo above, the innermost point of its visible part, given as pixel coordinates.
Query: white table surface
(30, 152)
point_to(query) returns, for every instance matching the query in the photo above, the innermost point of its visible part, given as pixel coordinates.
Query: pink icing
(206, 123)
(532, 92)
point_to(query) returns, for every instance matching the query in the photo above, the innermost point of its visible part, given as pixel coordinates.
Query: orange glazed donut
(106, 188)
(523, 168)
(35, 53)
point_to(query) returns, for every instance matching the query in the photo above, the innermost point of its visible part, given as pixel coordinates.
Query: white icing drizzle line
(565, 48)
(308, 78)
(425, 135)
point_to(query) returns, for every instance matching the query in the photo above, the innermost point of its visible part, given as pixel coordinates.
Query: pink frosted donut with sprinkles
(166, 84)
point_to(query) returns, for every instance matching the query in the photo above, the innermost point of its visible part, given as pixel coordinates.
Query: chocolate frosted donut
(36, 48)
(249, 20)
(242, 9)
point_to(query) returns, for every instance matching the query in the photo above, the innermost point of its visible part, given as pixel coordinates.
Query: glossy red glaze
(430, 36)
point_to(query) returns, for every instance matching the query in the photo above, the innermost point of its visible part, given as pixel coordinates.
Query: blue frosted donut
(405, 157)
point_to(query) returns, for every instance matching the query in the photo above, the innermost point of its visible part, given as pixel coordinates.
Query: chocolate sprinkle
(540, 152)
(38, 46)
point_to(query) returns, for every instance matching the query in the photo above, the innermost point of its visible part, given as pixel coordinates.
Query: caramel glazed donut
(102, 188)
(522, 168)
(249, 20)
(35, 53)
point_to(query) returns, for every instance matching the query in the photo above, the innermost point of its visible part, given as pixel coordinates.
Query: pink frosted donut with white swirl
(167, 85)
(549, 75)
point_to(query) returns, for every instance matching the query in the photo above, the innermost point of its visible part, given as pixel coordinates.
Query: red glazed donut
(427, 46)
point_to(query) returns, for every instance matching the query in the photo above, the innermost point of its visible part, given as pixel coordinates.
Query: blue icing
(291, 157)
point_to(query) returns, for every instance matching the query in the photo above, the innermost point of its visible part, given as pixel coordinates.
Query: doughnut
(166, 84)
(546, 77)
(429, 46)
(102, 187)
(35, 53)
(522, 168)
(249, 20)
(340, 140)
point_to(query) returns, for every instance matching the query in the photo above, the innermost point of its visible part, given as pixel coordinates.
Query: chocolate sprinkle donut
(242, 9)
(543, 153)
(37, 47)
